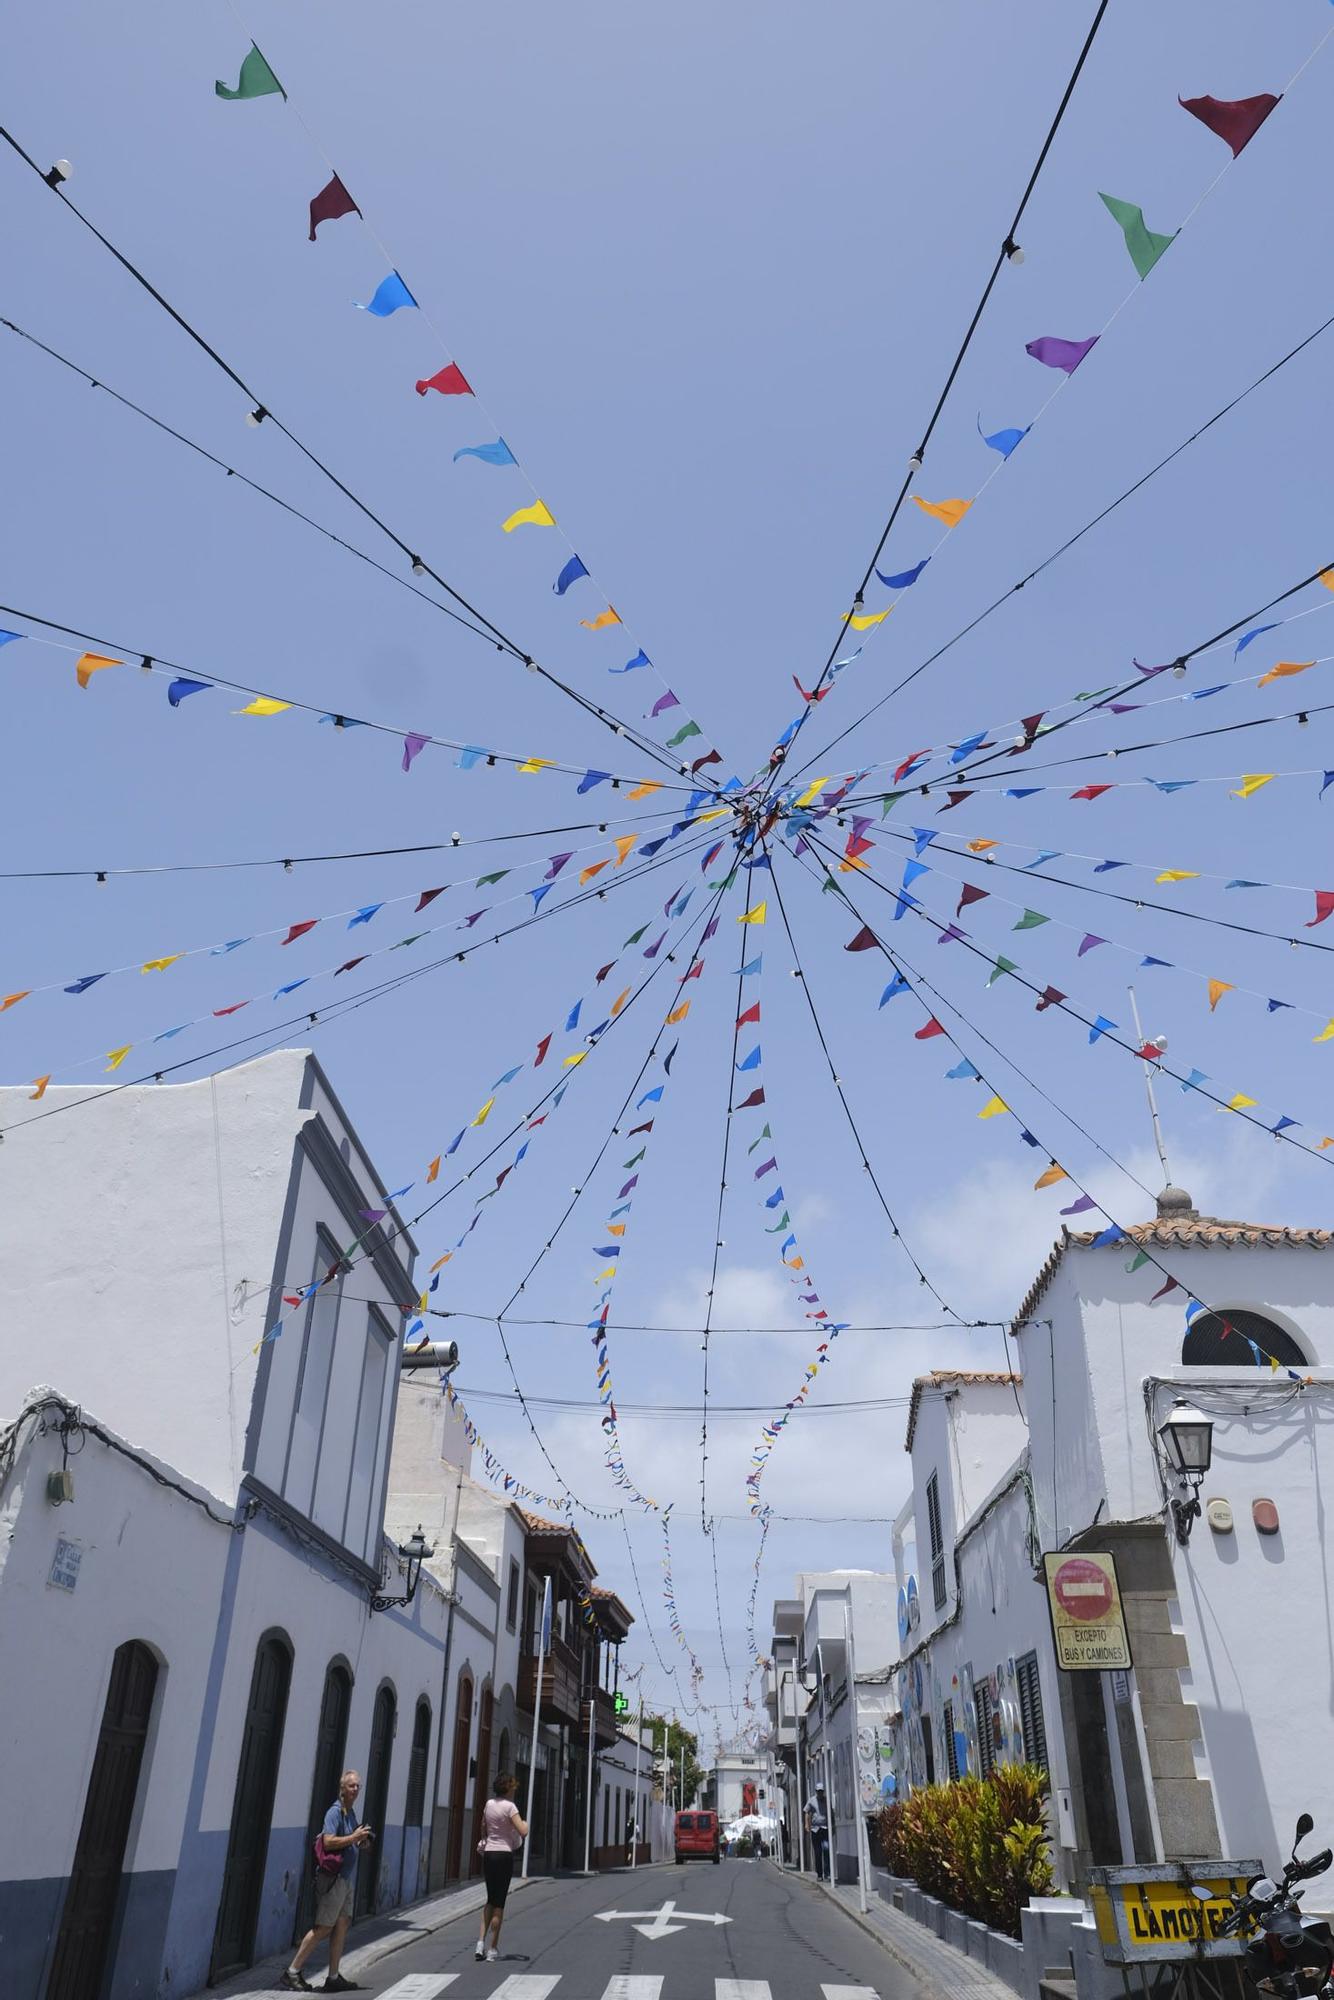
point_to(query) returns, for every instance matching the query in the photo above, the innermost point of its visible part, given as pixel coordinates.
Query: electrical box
(60, 1486)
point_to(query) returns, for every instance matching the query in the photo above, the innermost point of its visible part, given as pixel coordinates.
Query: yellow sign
(1150, 1913)
(1086, 1618)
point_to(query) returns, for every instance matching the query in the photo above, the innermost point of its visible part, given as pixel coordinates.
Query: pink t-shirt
(499, 1833)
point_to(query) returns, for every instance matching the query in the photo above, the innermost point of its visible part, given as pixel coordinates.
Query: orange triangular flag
(1052, 1175)
(1284, 670)
(433, 1170)
(40, 1091)
(1217, 988)
(12, 999)
(89, 664)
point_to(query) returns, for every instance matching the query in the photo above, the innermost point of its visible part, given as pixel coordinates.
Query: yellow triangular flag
(89, 664)
(646, 790)
(1326, 575)
(1177, 875)
(39, 1090)
(812, 790)
(423, 1302)
(992, 1106)
(1238, 1103)
(1323, 1143)
(860, 621)
(440, 1261)
(624, 842)
(263, 704)
(619, 1002)
(1252, 783)
(539, 515)
(853, 861)
(608, 617)
(678, 1013)
(755, 916)
(484, 1113)
(115, 1057)
(717, 812)
(577, 1057)
(951, 512)
(160, 964)
(795, 1263)
(1325, 1034)
(593, 868)
(1217, 988)
(610, 1272)
(531, 764)
(1284, 670)
(615, 1228)
(981, 846)
(1052, 1175)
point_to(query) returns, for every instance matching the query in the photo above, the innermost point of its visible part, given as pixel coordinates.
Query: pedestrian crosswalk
(624, 1986)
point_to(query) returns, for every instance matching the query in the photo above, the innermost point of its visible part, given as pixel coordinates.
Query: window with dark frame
(986, 1741)
(927, 1751)
(951, 1753)
(1029, 1688)
(938, 1590)
(512, 1600)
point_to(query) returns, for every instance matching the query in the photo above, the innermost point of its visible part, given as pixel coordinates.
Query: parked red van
(697, 1837)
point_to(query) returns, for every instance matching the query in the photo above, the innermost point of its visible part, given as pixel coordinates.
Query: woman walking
(503, 1832)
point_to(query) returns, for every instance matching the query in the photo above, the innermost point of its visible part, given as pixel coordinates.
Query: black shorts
(498, 1870)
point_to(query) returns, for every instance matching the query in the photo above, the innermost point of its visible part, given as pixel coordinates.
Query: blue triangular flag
(571, 573)
(498, 453)
(177, 690)
(899, 581)
(1003, 441)
(641, 659)
(390, 294)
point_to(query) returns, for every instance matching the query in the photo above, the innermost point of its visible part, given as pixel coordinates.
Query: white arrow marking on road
(420, 1986)
(658, 1927)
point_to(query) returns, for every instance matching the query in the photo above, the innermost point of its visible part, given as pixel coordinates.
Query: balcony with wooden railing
(564, 1691)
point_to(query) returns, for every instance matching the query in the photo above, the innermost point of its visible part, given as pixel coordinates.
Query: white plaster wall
(987, 1433)
(130, 1224)
(152, 1570)
(931, 1452)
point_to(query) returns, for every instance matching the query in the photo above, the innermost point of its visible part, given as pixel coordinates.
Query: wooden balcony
(562, 1687)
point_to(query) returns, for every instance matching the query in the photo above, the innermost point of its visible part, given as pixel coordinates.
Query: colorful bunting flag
(1054, 352)
(331, 202)
(256, 79)
(951, 512)
(447, 381)
(1145, 245)
(1234, 120)
(498, 453)
(539, 515)
(390, 296)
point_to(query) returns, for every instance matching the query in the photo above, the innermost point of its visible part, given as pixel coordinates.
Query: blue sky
(707, 272)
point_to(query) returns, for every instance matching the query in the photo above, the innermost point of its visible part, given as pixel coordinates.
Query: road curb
(920, 1973)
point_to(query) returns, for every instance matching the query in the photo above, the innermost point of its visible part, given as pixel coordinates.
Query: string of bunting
(332, 203)
(1235, 122)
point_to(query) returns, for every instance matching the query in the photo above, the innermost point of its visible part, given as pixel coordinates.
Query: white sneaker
(480, 1950)
(491, 1957)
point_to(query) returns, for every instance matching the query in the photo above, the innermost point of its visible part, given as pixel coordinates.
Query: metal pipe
(588, 1802)
(858, 1817)
(634, 1808)
(537, 1714)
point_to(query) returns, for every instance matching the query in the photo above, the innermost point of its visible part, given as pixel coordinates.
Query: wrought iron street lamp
(414, 1552)
(1188, 1441)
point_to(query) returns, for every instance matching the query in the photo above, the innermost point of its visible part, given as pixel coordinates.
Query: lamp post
(1187, 1437)
(414, 1552)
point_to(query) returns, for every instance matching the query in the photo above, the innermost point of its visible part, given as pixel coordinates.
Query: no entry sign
(1086, 1619)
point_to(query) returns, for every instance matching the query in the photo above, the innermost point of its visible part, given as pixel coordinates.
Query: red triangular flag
(1150, 1052)
(429, 896)
(756, 1097)
(235, 1008)
(907, 764)
(299, 930)
(971, 894)
(329, 204)
(955, 799)
(542, 1048)
(752, 1013)
(1324, 903)
(932, 1027)
(1029, 725)
(450, 381)
(603, 973)
(865, 940)
(353, 962)
(1090, 792)
(1235, 120)
(1163, 1290)
(1051, 996)
(709, 757)
(810, 694)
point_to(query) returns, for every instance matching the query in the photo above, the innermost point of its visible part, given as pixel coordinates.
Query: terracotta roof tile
(1179, 1234)
(954, 1378)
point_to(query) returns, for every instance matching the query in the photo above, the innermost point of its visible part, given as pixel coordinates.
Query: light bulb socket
(1013, 251)
(58, 171)
(256, 416)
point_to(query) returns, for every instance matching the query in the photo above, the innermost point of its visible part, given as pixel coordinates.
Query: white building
(1210, 1743)
(189, 1645)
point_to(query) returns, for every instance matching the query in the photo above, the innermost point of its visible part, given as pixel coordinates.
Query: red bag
(326, 1862)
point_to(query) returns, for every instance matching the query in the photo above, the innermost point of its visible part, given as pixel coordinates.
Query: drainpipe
(444, 1682)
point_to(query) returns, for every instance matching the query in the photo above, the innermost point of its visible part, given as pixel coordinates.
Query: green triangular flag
(256, 79)
(1145, 245)
(483, 880)
(1091, 694)
(765, 1134)
(786, 1223)
(1001, 965)
(637, 1158)
(686, 729)
(889, 802)
(828, 884)
(726, 883)
(1140, 1257)
(1030, 921)
(414, 939)
(636, 937)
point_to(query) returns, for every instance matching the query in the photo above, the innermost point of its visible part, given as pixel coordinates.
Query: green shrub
(980, 1845)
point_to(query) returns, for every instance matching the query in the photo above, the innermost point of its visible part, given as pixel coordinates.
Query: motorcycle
(1286, 1955)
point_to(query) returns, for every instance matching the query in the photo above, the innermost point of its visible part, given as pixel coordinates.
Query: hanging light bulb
(256, 416)
(58, 171)
(1013, 251)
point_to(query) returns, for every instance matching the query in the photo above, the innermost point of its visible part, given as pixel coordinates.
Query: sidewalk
(942, 1972)
(375, 1939)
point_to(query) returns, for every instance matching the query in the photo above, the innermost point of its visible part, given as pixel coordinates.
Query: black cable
(1067, 545)
(718, 1229)
(670, 1672)
(1008, 245)
(498, 637)
(869, 1170)
(636, 1326)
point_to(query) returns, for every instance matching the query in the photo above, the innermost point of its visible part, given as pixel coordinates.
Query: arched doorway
(330, 1749)
(376, 1797)
(252, 1806)
(458, 1779)
(481, 1790)
(90, 1902)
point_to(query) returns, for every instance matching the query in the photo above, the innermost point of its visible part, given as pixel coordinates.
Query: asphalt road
(783, 1940)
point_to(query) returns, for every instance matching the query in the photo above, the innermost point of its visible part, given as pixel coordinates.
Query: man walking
(817, 1828)
(341, 1838)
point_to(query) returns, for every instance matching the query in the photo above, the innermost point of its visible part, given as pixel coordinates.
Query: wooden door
(376, 1801)
(79, 1964)
(330, 1749)
(458, 1781)
(252, 1808)
(482, 1788)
